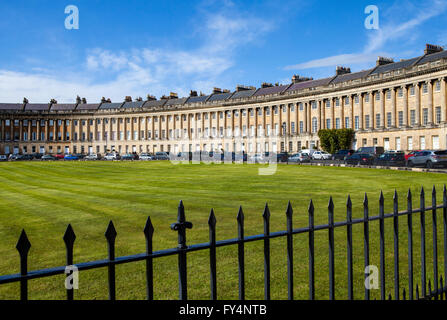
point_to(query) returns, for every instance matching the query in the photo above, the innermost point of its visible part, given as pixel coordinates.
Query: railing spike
(148, 228)
(23, 244)
(69, 236)
(110, 233)
(266, 213)
(212, 219)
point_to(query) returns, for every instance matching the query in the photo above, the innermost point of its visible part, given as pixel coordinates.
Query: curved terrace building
(398, 105)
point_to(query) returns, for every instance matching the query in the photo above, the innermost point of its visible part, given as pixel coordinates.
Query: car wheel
(429, 164)
(410, 164)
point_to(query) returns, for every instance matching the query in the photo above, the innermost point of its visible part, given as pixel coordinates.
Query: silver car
(299, 158)
(429, 159)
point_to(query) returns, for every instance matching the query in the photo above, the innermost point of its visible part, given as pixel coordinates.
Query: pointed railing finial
(212, 219)
(23, 244)
(240, 215)
(266, 213)
(69, 236)
(381, 198)
(289, 210)
(148, 228)
(110, 233)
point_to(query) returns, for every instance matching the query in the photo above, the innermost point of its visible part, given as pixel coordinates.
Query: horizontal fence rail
(432, 290)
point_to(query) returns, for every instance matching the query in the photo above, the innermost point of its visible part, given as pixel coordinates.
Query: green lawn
(43, 197)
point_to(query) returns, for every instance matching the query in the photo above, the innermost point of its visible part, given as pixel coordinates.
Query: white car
(321, 155)
(112, 156)
(146, 156)
(92, 156)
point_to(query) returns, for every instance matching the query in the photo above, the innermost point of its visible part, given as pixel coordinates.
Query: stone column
(47, 129)
(351, 103)
(405, 105)
(393, 108)
(417, 91)
(430, 102)
(372, 118)
(443, 101)
(361, 121)
(382, 108)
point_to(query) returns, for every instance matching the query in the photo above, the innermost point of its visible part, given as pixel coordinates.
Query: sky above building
(135, 47)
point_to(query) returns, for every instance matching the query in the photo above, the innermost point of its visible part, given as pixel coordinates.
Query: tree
(332, 140)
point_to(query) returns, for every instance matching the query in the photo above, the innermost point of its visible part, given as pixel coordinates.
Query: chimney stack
(173, 95)
(150, 97)
(128, 99)
(193, 93)
(84, 101)
(78, 99)
(432, 48)
(217, 90)
(25, 101)
(240, 87)
(382, 61)
(342, 70)
(266, 85)
(53, 101)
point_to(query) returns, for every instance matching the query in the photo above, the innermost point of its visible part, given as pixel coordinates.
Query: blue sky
(138, 47)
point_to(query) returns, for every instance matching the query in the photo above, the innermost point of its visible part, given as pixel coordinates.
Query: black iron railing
(433, 290)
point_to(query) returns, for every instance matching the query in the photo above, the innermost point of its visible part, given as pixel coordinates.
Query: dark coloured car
(282, 157)
(26, 157)
(360, 159)
(375, 151)
(128, 156)
(395, 159)
(48, 157)
(342, 154)
(161, 156)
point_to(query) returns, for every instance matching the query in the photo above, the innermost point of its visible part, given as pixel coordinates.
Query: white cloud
(137, 72)
(378, 39)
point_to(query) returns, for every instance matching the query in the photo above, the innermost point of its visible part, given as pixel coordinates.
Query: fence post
(423, 264)
(111, 236)
(311, 252)
(382, 246)
(23, 246)
(69, 239)
(240, 249)
(366, 241)
(148, 234)
(266, 218)
(396, 244)
(349, 244)
(213, 272)
(289, 214)
(435, 242)
(180, 226)
(410, 244)
(331, 249)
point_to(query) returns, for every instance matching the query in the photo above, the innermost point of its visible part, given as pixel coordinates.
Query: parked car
(342, 154)
(300, 157)
(321, 155)
(429, 159)
(37, 156)
(411, 154)
(71, 157)
(282, 157)
(112, 156)
(129, 156)
(27, 157)
(146, 156)
(161, 156)
(93, 156)
(360, 159)
(257, 158)
(396, 159)
(48, 157)
(59, 156)
(375, 151)
(3, 157)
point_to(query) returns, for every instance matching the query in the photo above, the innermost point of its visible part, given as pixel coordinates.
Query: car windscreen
(442, 152)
